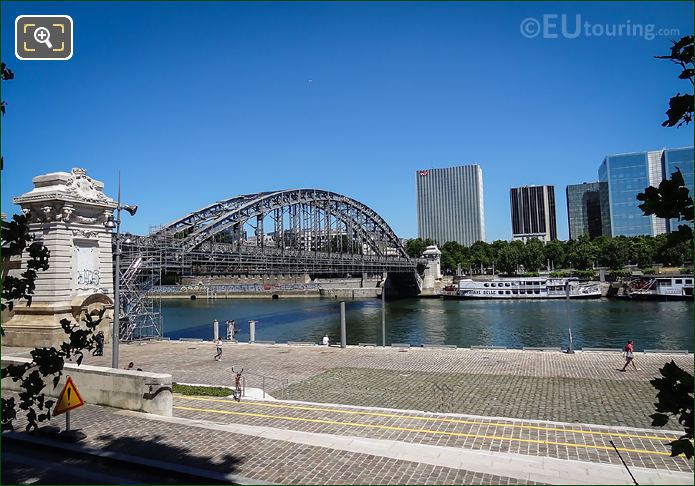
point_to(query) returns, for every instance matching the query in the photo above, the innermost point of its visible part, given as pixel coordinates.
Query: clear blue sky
(199, 102)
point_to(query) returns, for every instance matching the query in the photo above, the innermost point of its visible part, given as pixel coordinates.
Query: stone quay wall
(140, 391)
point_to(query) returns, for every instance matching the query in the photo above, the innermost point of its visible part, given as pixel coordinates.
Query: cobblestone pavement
(580, 443)
(584, 387)
(580, 400)
(255, 457)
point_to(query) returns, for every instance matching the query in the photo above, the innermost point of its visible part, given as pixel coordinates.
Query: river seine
(594, 323)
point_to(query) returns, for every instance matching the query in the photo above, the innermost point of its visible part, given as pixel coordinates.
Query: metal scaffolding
(314, 232)
(141, 269)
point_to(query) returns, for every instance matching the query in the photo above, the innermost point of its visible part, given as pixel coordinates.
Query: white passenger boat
(652, 287)
(523, 288)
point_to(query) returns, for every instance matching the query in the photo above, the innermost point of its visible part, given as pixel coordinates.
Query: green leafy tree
(533, 256)
(416, 246)
(583, 254)
(555, 252)
(671, 200)
(674, 398)
(680, 109)
(16, 240)
(495, 248)
(46, 362)
(453, 255)
(480, 255)
(615, 253)
(508, 259)
(674, 255)
(642, 251)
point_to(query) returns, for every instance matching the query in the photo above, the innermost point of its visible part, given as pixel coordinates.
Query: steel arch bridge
(281, 232)
(302, 219)
(299, 231)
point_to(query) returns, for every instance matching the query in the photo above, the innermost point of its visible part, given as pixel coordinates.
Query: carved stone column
(68, 212)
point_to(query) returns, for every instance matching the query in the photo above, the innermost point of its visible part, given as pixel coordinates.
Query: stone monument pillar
(433, 271)
(68, 215)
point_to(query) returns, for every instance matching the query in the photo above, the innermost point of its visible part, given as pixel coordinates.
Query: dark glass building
(533, 213)
(587, 209)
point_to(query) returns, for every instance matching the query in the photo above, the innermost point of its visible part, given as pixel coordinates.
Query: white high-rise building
(450, 204)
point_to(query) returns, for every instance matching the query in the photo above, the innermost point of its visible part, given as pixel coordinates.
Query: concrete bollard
(215, 330)
(343, 331)
(252, 331)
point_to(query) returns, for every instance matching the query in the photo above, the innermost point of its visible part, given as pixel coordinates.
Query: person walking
(629, 351)
(218, 347)
(99, 340)
(231, 331)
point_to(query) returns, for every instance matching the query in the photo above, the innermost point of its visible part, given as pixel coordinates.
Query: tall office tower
(629, 174)
(450, 204)
(533, 213)
(587, 209)
(683, 159)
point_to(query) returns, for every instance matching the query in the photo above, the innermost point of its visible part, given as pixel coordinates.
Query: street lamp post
(117, 281)
(383, 313)
(570, 348)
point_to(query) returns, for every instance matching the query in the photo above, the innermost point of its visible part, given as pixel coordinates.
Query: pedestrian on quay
(218, 348)
(326, 340)
(99, 340)
(629, 351)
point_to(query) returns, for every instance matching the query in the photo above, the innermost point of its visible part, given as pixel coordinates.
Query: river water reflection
(595, 323)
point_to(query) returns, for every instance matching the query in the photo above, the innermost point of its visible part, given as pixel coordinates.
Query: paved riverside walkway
(257, 457)
(584, 388)
(316, 443)
(292, 443)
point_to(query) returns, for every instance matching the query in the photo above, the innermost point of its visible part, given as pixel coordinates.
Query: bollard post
(252, 331)
(263, 386)
(215, 330)
(343, 331)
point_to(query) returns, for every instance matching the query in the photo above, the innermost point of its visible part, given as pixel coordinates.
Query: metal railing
(264, 379)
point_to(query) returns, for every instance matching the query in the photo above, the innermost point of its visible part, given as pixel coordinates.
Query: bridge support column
(68, 212)
(260, 234)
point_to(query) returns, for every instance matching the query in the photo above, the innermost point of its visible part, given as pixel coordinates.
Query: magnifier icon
(43, 36)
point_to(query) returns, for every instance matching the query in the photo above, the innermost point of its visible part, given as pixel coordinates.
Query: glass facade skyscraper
(450, 204)
(587, 209)
(680, 158)
(626, 175)
(533, 213)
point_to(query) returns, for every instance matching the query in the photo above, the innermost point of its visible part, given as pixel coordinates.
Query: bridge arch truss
(288, 231)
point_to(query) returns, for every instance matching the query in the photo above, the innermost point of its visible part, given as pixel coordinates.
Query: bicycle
(237, 385)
